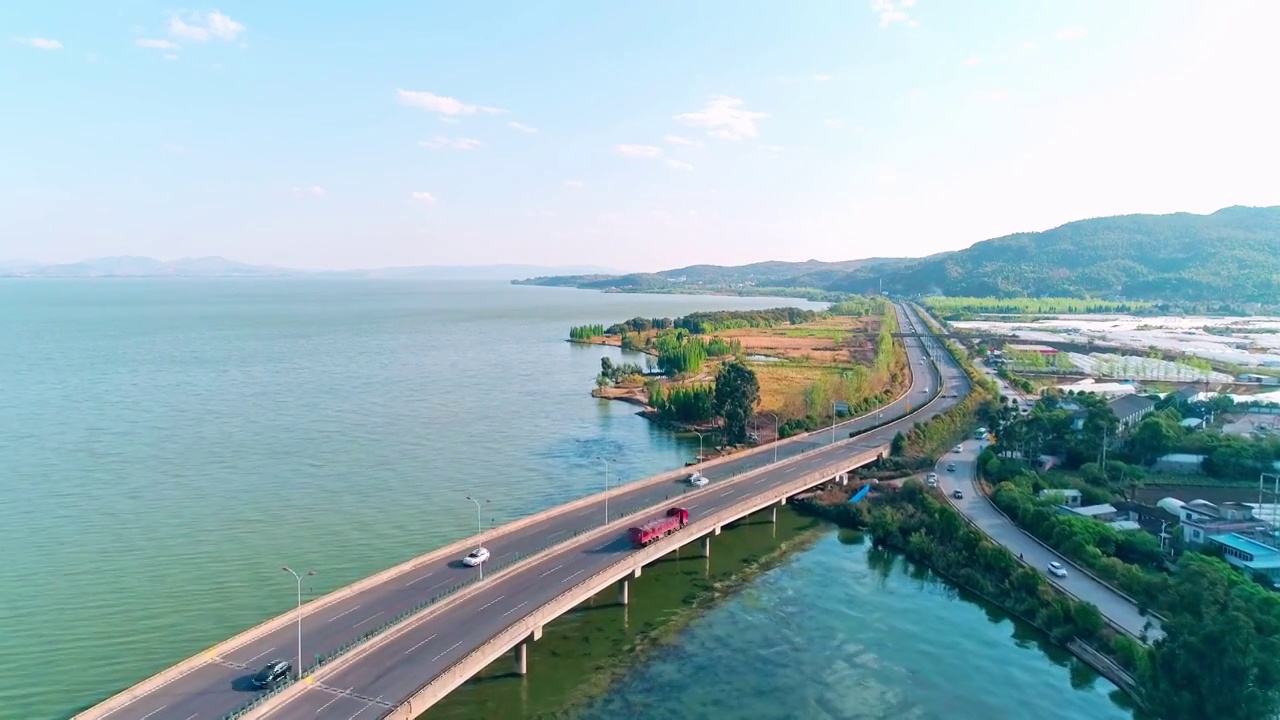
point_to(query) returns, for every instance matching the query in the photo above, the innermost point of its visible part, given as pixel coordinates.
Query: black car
(274, 672)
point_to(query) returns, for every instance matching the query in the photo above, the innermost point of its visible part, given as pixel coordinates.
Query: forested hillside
(1229, 257)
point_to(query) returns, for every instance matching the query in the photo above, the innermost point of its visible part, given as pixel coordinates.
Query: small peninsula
(810, 367)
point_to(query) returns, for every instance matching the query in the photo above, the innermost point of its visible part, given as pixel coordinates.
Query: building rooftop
(1030, 348)
(1264, 556)
(1064, 492)
(1095, 510)
(1125, 525)
(1127, 405)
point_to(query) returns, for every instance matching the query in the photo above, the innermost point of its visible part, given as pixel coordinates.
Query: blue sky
(634, 135)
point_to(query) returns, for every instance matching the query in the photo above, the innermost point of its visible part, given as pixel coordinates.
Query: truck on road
(654, 530)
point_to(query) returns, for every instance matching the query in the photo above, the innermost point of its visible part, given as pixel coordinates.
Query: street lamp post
(606, 488)
(479, 531)
(700, 456)
(833, 423)
(298, 577)
(775, 436)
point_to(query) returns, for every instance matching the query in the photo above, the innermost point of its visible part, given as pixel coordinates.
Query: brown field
(835, 340)
(782, 387)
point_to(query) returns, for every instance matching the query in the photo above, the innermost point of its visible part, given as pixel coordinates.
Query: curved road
(380, 680)
(220, 685)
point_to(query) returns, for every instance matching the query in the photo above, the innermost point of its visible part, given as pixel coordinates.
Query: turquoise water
(845, 632)
(165, 446)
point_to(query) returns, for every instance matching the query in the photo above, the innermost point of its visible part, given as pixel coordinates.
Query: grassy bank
(582, 653)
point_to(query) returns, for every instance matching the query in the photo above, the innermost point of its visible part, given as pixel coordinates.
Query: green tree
(737, 392)
(898, 447)
(1155, 437)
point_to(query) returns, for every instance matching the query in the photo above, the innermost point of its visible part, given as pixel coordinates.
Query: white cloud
(821, 77)
(680, 140)
(424, 197)
(646, 151)
(1072, 33)
(458, 143)
(441, 105)
(573, 183)
(997, 95)
(723, 117)
(156, 44)
(833, 123)
(310, 191)
(970, 62)
(203, 27)
(450, 120)
(522, 127)
(39, 43)
(891, 12)
(772, 148)
(1028, 46)
(679, 164)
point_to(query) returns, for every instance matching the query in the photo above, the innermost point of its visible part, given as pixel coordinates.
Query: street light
(298, 577)
(700, 457)
(775, 436)
(479, 531)
(606, 488)
(833, 422)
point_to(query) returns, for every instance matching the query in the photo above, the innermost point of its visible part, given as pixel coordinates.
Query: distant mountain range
(217, 267)
(1230, 256)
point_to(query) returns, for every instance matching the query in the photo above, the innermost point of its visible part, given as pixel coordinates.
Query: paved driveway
(978, 509)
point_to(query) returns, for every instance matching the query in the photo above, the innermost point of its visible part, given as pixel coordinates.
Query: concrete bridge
(440, 623)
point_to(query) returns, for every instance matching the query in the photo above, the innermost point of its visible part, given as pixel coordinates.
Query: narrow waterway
(832, 629)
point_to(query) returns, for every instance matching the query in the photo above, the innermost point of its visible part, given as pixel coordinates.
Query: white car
(958, 448)
(475, 557)
(932, 480)
(696, 479)
(1056, 569)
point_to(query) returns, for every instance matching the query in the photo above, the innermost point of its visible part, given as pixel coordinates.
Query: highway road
(977, 508)
(221, 685)
(375, 683)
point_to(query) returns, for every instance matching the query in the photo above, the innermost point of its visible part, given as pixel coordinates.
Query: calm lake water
(845, 632)
(165, 446)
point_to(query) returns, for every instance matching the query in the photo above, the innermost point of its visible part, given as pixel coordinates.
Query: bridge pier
(624, 591)
(522, 651)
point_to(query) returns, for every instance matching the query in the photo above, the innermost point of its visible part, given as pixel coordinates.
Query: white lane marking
(424, 642)
(367, 619)
(446, 652)
(602, 547)
(728, 492)
(551, 571)
(153, 712)
(492, 602)
(336, 698)
(526, 602)
(344, 612)
(255, 657)
(763, 479)
(573, 576)
(192, 716)
(691, 506)
(366, 707)
(424, 577)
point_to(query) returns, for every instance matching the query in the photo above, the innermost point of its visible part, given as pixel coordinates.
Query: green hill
(1229, 257)
(1232, 255)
